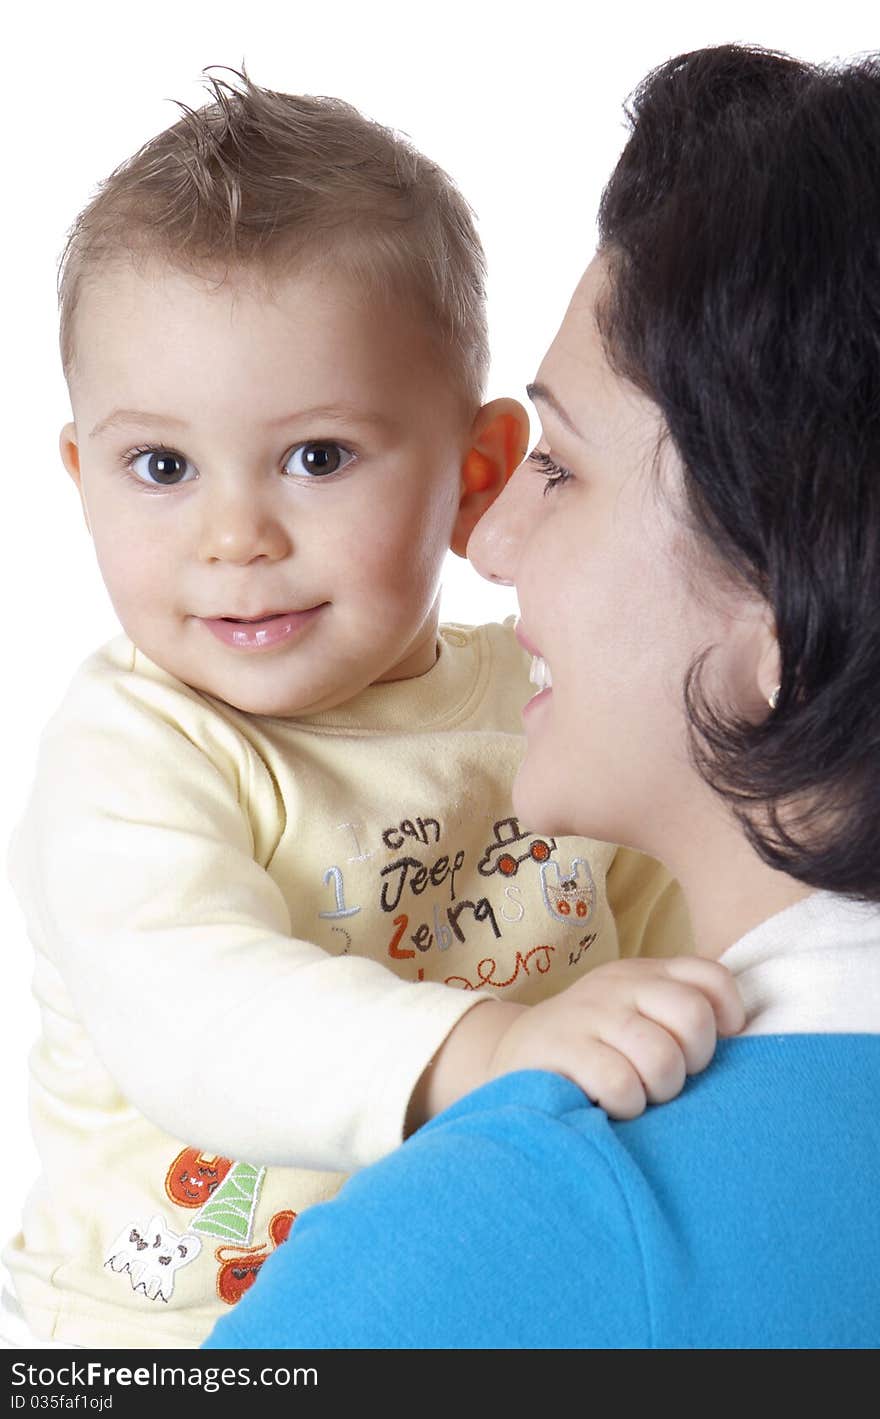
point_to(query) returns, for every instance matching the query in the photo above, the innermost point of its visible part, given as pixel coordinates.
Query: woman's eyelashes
(159, 467)
(554, 472)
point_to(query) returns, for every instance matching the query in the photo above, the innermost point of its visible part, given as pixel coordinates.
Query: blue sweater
(744, 1214)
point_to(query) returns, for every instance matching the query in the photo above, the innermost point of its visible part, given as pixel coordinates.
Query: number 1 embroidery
(334, 875)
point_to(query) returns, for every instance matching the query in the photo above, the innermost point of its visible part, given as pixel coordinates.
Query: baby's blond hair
(257, 181)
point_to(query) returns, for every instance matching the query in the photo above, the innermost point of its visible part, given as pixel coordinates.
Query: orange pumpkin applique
(194, 1176)
(240, 1267)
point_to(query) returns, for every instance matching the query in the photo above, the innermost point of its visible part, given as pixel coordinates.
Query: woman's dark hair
(741, 228)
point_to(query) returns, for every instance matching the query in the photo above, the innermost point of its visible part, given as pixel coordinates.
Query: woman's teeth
(540, 673)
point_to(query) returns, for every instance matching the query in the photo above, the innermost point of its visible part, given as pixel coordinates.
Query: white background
(520, 102)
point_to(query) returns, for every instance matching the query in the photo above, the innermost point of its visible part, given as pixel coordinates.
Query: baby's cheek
(144, 595)
(140, 594)
(397, 563)
(136, 562)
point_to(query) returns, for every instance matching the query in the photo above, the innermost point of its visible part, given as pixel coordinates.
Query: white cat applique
(152, 1255)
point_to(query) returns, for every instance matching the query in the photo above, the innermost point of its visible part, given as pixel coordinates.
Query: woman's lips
(263, 632)
(539, 674)
(540, 699)
(524, 640)
(540, 671)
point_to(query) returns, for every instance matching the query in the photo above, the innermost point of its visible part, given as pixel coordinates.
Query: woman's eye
(317, 460)
(553, 471)
(160, 468)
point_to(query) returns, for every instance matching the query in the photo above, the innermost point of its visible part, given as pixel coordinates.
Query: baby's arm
(628, 1034)
(142, 867)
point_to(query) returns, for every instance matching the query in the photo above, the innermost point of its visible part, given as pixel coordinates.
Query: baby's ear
(69, 447)
(499, 441)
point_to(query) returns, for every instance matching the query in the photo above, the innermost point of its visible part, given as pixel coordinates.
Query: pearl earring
(773, 698)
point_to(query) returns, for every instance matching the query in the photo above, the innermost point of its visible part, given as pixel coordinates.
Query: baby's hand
(629, 1032)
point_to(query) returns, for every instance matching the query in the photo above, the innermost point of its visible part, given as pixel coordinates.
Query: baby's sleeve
(648, 906)
(138, 870)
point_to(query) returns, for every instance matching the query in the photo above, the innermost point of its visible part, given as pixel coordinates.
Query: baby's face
(271, 482)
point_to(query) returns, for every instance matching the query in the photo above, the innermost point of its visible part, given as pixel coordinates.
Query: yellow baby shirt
(246, 930)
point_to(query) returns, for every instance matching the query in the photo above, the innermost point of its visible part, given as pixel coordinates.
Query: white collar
(813, 968)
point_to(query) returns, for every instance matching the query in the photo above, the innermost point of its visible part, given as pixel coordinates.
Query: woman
(696, 548)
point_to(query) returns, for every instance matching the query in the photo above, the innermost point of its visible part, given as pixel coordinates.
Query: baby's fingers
(686, 1014)
(718, 986)
(608, 1078)
(655, 1054)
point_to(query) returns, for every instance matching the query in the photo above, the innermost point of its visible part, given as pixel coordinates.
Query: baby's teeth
(540, 673)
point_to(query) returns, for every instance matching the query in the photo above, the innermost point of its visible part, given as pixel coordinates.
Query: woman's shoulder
(524, 1217)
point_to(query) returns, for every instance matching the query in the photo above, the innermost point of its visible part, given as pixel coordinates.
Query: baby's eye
(316, 460)
(161, 468)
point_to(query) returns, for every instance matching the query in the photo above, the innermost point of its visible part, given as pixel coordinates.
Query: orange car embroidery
(502, 854)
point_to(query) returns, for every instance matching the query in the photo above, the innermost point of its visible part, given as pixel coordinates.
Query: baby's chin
(253, 699)
(253, 690)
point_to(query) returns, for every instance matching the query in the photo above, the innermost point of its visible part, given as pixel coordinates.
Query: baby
(282, 912)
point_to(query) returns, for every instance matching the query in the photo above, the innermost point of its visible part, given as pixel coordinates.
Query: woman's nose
(496, 541)
(240, 526)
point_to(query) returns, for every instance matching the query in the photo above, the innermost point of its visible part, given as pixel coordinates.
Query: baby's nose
(240, 527)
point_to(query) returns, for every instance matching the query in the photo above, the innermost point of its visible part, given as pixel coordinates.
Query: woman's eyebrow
(540, 392)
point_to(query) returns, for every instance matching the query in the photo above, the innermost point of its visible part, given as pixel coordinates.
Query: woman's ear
(69, 449)
(499, 440)
(769, 669)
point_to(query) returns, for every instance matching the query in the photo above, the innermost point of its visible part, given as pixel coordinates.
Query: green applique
(229, 1214)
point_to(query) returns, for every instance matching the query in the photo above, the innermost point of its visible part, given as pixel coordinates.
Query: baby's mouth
(254, 620)
(268, 628)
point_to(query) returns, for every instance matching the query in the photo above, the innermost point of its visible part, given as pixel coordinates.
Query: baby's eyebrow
(343, 412)
(348, 413)
(134, 416)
